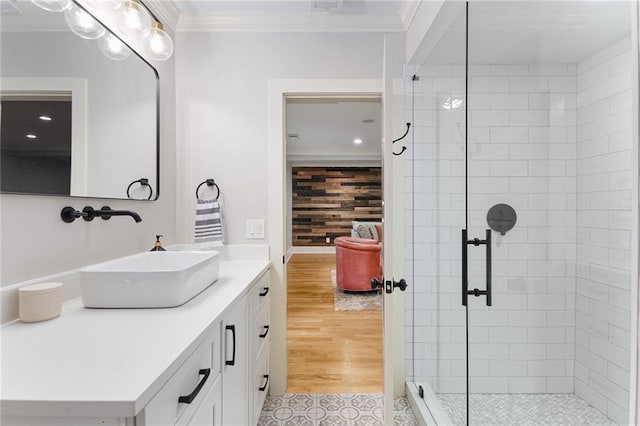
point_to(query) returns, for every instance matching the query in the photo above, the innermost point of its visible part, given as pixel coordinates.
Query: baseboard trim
(313, 249)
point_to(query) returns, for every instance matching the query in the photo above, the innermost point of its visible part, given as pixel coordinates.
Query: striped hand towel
(208, 222)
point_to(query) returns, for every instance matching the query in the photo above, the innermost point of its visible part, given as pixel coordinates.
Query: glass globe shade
(113, 48)
(83, 24)
(157, 43)
(52, 5)
(105, 4)
(133, 19)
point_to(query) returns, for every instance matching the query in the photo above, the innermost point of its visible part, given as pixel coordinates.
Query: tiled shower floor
(332, 409)
(522, 409)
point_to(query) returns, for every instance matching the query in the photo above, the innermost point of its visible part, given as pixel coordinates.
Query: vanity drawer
(261, 331)
(261, 293)
(260, 383)
(189, 384)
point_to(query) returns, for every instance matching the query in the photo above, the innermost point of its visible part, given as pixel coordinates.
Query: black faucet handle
(90, 213)
(104, 213)
(69, 214)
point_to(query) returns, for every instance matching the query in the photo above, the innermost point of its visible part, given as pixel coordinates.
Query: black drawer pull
(266, 383)
(188, 399)
(233, 356)
(266, 331)
(265, 292)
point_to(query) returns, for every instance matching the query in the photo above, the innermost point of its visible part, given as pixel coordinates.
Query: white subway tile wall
(603, 307)
(554, 142)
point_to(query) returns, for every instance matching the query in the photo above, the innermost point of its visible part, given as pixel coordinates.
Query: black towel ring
(142, 182)
(209, 183)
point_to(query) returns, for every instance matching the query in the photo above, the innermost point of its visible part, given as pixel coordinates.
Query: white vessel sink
(160, 279)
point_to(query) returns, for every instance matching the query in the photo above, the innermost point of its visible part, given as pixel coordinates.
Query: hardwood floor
(328, 351)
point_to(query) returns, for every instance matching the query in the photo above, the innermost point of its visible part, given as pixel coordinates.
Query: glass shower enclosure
(522, 185)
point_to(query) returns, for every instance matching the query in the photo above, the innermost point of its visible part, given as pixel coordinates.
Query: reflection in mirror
(79, 116)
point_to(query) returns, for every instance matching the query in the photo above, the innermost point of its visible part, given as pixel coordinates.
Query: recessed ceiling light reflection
(31, 136)
(45, 118)
(357, 141)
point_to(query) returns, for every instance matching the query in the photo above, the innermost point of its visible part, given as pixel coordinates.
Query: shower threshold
(510, 409)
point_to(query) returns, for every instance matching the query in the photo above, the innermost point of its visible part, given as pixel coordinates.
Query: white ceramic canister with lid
(40, 302)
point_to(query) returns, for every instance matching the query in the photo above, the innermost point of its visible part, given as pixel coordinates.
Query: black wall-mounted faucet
(69, 214)
(105, 213)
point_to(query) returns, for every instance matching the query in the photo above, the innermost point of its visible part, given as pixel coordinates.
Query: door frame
(278, 91)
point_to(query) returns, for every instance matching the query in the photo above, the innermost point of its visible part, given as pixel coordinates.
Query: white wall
(604, 218)
(222, 81)
(35, 242)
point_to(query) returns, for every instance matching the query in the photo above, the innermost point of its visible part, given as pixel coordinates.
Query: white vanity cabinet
(235, 365)
(245, 369)
(205, 363)
(192, 395)
(260, 345)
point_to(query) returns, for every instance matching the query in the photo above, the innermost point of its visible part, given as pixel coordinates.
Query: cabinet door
(235, 366)
(209, 412)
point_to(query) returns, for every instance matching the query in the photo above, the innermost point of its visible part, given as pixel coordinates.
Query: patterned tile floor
(522, 409)
(332, 410)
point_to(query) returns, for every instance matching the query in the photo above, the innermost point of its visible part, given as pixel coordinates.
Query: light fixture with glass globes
(157, 43)
(105, 4)
(134, 19)
(113, 48)
(52, 5)
(83, 24)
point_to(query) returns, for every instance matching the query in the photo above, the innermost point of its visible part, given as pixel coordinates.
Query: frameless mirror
(79, 116)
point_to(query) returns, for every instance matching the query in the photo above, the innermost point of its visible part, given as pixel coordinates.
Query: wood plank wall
(327, 199)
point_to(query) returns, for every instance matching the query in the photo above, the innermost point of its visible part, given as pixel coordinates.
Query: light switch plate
(255, 229)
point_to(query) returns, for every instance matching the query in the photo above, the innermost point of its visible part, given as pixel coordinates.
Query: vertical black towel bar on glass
(465, 267)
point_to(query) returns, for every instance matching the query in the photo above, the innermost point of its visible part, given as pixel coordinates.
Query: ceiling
(519, 32)
(295, 15)
(326, 129)
(264, 15)
(239, 7)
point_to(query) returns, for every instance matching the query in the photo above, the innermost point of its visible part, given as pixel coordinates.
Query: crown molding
(408, 9)
(166, 11)
(313, 22)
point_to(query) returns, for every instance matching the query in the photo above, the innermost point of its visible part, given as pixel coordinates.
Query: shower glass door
(524, 225)
(549, 142)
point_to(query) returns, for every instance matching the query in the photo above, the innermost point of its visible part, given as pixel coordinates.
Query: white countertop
(109, 362)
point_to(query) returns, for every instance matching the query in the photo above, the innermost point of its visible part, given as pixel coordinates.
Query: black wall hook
(404, 148)
(142, 182)
(210, 183)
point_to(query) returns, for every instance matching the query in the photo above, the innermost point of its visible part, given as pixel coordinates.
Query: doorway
(334, 184)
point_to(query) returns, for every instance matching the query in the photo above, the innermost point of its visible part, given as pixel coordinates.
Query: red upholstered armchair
(357, 261)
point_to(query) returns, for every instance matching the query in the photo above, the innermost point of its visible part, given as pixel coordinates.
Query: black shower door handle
(465, 267)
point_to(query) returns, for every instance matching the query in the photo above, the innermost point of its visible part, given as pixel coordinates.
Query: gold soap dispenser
(157, 246)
